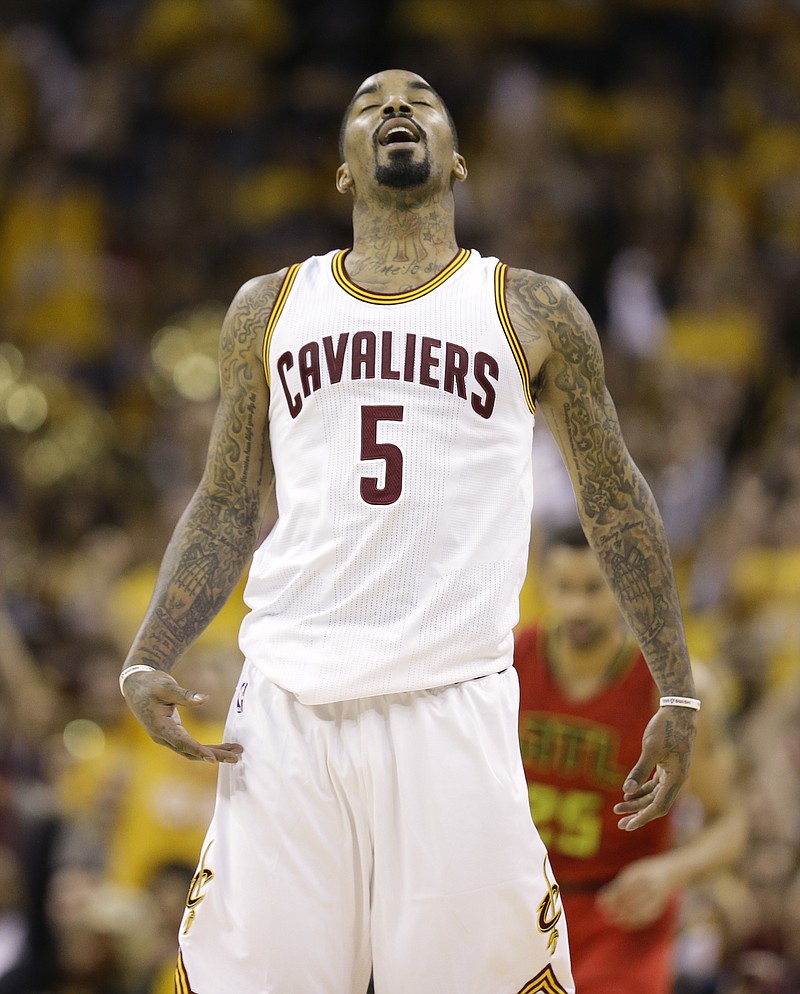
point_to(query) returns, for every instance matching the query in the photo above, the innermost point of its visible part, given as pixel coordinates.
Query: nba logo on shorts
(240, 696)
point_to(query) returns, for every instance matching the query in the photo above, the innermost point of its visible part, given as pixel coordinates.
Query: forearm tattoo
(218, 530)
(615, 504)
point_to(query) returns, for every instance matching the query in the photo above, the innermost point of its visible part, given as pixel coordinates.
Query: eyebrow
(371, 88)
(413, 85)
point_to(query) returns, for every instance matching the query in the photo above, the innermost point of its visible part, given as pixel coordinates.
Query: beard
(402, 172)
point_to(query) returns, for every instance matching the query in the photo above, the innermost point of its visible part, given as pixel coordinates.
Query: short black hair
(358, 93)
(572, 536)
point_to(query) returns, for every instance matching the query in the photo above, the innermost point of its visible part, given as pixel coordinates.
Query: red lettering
(387, 373)
(308, 366)
(295, 404)
(456, 364)
(335, 358)
(392, 456)
(408, 366)
(485, 366)
(363, 358)
(429, 361)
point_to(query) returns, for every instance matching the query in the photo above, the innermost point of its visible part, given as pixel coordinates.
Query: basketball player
(585, 696)
(372, 807)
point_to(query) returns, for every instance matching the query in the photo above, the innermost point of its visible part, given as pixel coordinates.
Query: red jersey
(576, 756)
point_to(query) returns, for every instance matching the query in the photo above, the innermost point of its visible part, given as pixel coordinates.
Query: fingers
(192, 698)
(666, 749)
(639, 893)
(172, 734)
(637, 779)
(654, 749)
(646, 788)
(652, 800)
(154, 698)
(631, 822)
(168, 691)
(629, 909)
(226, 752)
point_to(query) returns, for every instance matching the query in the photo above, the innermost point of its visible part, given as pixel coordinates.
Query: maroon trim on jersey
(344, 281)
(545, 982)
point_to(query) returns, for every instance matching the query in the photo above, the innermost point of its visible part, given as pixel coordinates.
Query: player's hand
(638, 894)
(154, 697)
(654, 782)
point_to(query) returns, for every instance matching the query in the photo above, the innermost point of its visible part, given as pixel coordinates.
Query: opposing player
(585, 695)
(372, 809)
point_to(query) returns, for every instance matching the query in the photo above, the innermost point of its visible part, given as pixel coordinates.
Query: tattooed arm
(620, 518)
(217, 532)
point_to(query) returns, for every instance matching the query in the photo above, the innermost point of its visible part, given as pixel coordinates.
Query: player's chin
(403, 169)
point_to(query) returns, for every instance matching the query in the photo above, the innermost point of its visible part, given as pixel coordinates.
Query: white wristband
(680, 702)
(139, 668)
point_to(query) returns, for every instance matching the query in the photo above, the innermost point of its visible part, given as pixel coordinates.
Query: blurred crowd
(155, 154)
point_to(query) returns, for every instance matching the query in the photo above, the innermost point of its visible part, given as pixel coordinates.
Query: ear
(460, 171)
(344, 181)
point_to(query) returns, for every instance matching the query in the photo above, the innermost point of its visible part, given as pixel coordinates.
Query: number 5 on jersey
(371, 448)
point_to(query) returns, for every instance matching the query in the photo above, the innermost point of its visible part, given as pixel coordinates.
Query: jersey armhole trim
(275, 314)
(516, 346)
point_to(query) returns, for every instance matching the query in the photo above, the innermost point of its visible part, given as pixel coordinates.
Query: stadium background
(154, 154)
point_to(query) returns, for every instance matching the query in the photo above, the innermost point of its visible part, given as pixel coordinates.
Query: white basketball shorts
(390, 833)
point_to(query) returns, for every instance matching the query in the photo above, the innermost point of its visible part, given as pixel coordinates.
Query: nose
(575, 606)
(396, 106)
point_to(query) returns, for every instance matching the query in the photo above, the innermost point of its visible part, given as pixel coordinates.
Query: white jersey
(401, 430)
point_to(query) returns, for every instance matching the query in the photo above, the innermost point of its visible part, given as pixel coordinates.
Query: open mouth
(398, 132)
